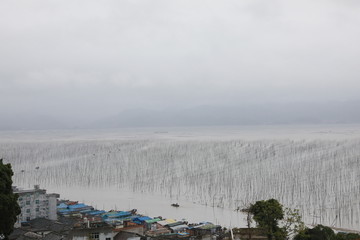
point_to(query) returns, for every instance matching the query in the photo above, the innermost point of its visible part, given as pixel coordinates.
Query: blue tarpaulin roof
(140, 220)
(62, 205)
(75, 208)
(86, 211)
(95, 212)
(116, 214)
(80, 205)
(65, 210)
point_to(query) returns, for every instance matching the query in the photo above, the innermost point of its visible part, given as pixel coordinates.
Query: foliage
(9, 208)
(292, 222)
(303, 235)
(319, 232)
(249, 218)
(347, 236)
(267, 214)
(278, 222)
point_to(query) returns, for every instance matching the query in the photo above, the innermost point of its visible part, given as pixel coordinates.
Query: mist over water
(122, 66)
(178, 63)
(209, 171)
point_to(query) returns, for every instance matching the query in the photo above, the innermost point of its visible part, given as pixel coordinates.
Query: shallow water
(152, 205)
(308, 132)
(314, 168)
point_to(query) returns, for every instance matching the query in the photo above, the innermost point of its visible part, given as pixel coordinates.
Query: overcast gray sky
(85, 59)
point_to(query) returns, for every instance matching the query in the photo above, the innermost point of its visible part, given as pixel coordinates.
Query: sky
(85, 60)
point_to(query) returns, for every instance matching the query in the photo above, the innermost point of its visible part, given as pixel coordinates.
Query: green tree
(267, 214)
(292, 222)
(9, 207)
(347, 236)
(303, 235)
(319, 232)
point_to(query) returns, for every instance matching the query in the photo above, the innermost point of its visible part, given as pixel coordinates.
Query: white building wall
(85, 234)
(36, 203)
(52, 204)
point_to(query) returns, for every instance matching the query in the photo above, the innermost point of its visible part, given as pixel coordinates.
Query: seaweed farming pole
(232, 234)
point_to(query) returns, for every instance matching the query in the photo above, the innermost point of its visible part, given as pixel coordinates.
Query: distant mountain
(282, 113)
(242, 114)
(29, 122)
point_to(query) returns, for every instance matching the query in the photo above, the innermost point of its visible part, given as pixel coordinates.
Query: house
(249, 233)
(123, 235)
(141, 220)
(166, 222)
(42, 228)
(100, 230)
(204, 229)
(92, 231)
(36, 203)
(151, 223)
(179, 228)
(74, 209)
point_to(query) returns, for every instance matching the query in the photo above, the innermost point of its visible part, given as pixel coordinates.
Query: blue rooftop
(120, 214)
(86, 211)
(140, 220)
(80, 205)
(95, 212)
(62, 205)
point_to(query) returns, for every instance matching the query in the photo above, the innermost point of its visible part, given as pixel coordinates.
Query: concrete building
(36, 203)
(92, 231)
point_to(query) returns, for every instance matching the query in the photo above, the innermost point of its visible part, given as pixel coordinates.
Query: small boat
(175, 205)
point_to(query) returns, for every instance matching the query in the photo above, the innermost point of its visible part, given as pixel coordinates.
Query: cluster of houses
(44, 216)
(79, 221)
(107, 225)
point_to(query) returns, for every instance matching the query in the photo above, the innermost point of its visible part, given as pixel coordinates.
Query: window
(37, 209)
(28, 210)
(107, 238)
(37, 201)
(27, 218)
(27, 202)
(94, 236)
(20, 198)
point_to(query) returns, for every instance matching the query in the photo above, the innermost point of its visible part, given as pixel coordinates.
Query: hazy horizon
(92, 64)
(241, 115)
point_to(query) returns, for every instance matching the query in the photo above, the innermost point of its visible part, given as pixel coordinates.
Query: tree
(347, 236)
(267, 214)
(248, 220)
(319, 232)
(9, 207)
(245, 208)
(292, 223)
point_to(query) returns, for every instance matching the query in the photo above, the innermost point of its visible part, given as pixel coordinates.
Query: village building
(249, 233)
(93, 231)
(41, 228)
(36, 203)
(79, 221)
